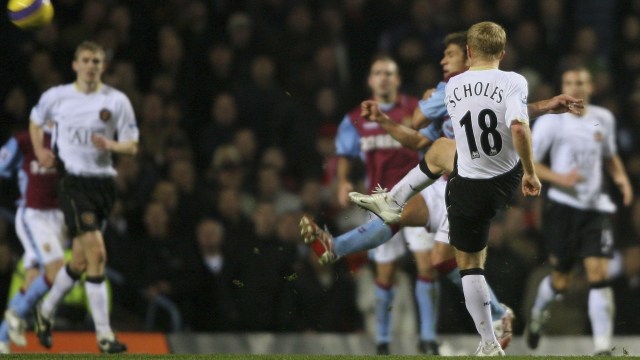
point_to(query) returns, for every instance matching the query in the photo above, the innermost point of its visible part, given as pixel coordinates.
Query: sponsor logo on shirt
(378, 142)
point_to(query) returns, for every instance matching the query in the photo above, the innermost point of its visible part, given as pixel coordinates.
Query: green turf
(266, 357)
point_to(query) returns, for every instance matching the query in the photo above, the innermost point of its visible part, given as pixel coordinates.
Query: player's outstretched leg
(328, 249)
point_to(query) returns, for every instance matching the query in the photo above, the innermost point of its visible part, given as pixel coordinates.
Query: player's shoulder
(514, 78)
(58, 90)
(600, 111)
(112, 92)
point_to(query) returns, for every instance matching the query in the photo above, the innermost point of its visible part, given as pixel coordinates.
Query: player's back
(482, 103)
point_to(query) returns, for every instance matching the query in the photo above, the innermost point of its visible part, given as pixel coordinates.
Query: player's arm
(128, 133)
(119, 147)
(405, 135)
(430, 107)
(556, 105)
(45, 156)
(615, 168)
(565, 180)
(522, 143)
(347, 149)
(10, 157)
(543, 137)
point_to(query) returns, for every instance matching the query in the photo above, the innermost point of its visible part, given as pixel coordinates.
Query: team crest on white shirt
(105, 115)
(598, 136)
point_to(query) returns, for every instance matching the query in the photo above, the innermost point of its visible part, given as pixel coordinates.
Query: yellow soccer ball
(30, 14)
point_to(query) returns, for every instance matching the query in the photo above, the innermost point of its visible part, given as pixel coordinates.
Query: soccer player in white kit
(488, 111)
(87, 115)
(576, 214)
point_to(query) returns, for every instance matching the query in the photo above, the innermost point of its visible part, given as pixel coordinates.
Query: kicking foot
(43, 327)
(380, 203)
(319, 240)
(489, 349)
(503, 327)
(16, 327)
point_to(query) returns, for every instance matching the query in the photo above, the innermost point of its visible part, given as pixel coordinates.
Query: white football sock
(62, 284)
(544, 296)
(99, 303)
(601, 312)
(478, 302)
(411, 184)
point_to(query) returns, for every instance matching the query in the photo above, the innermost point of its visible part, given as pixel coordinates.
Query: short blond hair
(487, 39)
(94, 47)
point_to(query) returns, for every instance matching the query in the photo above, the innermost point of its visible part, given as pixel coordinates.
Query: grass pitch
(268, 357)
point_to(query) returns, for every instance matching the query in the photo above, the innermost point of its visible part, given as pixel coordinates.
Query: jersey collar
(476, 68)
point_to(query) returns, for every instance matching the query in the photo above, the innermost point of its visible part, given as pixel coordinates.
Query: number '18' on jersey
(482, 103)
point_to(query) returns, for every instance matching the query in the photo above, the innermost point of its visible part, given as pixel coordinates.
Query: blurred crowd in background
(238, 103)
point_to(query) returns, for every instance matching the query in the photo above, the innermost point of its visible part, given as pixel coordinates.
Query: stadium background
(237, 103)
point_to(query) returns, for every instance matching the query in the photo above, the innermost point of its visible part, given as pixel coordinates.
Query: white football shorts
(416, 238)
(438, 221)
(42, 234)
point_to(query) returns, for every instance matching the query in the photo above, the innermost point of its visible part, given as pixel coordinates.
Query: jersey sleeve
(347, 139)
(516, 102)
(610, 148)
(42, 110)
(127, 127)
(542, 136)
(434, 107)
(10, 157)
(432, 132)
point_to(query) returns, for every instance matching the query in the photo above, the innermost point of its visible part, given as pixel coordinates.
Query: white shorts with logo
(42, 234)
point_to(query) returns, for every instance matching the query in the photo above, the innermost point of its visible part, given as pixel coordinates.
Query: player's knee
(427, 272)
(98, 255)
(78, 267)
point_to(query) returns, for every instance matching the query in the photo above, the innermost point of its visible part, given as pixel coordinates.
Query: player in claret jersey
(87, 115)
(576, 214)
(386, 162)
(40, 228)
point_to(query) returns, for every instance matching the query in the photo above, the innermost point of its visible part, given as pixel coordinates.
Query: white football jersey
(482, 104)
(581, 143)
(77, 116)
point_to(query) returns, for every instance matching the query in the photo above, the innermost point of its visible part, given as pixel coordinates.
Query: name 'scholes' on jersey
(386, 160)
(37, 184)
(482, 104)
(77, 117)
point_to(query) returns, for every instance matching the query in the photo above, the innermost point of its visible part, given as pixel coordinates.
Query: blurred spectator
(216, 311)
(325, 298)
(261, 275)
(170, 265)
(270, 189)
(223, 122)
